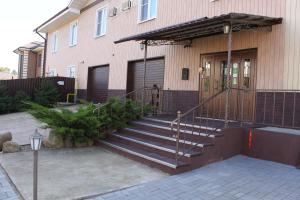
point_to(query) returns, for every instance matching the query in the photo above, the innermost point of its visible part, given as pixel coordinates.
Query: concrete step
(151, 146)
(164, 163)
(165, 139)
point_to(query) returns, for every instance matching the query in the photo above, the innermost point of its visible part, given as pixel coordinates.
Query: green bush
(87, 122)
(80, 125)
(47, 95)
(18, 101)
(5, 100)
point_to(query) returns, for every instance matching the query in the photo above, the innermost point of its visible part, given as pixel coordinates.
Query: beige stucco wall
(278, 51)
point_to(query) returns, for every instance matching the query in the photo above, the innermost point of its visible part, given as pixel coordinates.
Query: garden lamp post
(35, 141)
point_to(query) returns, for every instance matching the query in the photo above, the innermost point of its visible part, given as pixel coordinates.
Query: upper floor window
(148, 10)
(73, 34)
(71, 72)
(55, 42)
(101, 22)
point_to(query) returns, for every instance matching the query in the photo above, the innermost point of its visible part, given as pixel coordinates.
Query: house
(30, 60)
(186, 49)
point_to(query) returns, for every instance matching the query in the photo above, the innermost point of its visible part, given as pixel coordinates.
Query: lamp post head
(227, 28)
(36, 141)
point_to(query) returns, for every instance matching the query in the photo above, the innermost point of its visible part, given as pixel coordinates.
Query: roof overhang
(33, 46)
(204, 27)
(65, 16)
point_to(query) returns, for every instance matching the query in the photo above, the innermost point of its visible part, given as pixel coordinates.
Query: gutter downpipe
(45, 51)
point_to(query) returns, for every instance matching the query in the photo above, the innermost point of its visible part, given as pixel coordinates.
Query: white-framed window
(52, 72)
(73, 34)
(101, 22)
(72, 72)
(147, 10)
(55, 42)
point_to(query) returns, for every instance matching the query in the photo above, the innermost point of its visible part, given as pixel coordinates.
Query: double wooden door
(213, 79)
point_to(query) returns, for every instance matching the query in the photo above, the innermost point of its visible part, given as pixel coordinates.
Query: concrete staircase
(152, 142)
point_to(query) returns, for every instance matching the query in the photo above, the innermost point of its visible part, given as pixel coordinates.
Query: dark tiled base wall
(175, 100)
(116, 93)
(277, 108)
(172, 100)
(82, 93)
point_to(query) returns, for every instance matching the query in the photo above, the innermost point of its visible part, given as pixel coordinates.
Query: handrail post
(228, 78)
(145, 73)
(177, 136)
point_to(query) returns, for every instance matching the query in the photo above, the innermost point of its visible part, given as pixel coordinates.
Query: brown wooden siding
(278, 58)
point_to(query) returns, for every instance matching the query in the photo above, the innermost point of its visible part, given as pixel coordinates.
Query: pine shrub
(47, 95)
(5, 100)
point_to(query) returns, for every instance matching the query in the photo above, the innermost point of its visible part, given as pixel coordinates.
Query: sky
(18, 19)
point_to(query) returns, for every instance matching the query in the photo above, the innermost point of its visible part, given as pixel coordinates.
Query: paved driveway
(240, 178)
(21, 125)
(72, 173)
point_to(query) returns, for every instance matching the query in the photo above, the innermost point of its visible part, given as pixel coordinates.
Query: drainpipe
(45, 50)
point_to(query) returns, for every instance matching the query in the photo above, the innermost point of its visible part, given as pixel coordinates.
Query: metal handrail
(179, 119)
(198, 106)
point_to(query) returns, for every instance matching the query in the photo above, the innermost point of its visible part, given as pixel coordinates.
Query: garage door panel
(154, 74)
(98, 83)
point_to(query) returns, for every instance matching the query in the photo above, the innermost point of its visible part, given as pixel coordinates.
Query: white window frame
(55, 42)
(149, 17)
(73, 36)
(52, 72)
(103, 22)
(69, 71)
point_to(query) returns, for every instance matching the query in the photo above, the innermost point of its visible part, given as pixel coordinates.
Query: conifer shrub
(79, 125)
(47, 94)
(5, 100)
(18, 103)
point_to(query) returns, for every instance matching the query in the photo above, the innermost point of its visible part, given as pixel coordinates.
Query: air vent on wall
(112, 12)
(126, 5)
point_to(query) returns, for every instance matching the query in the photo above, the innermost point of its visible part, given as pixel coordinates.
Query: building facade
(81, 44)
(31, 56)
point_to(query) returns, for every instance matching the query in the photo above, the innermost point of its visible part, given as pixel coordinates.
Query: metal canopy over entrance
(203, 27)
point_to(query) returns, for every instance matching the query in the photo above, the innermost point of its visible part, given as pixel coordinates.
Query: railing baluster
(283, 109)
(265, 102)
(294, 107)
(177, 136)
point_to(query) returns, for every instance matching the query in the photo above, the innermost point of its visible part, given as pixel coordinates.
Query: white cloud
(18, 18)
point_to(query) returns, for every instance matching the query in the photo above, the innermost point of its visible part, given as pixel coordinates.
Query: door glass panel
(246, 74)
(235, 74)
(207, 71)
(223, 74)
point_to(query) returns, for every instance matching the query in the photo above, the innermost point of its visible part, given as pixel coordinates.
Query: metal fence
(64, 85)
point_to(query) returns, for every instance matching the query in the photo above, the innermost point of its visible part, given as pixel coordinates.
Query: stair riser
(160, 140)
(150, 163)
(147, 148)
(169, 133)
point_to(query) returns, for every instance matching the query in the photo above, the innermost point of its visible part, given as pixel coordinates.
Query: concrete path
(7, 191)
(72, 173)
(239, 178)
(21, 125)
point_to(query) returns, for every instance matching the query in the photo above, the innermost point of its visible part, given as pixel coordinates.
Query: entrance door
(98, 83)
(213, 80)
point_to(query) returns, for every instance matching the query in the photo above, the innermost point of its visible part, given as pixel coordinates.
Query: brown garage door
(98, 83)
(154, 74)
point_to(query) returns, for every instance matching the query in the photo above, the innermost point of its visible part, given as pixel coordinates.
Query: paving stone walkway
(239, 178)
(6, 190)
